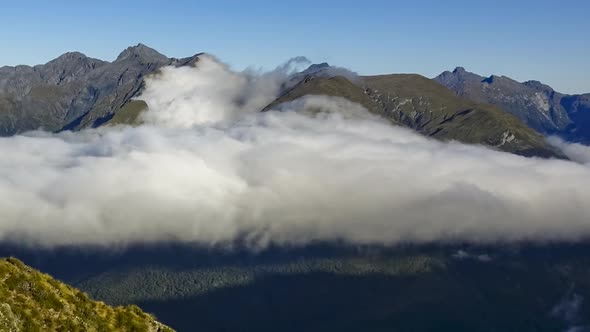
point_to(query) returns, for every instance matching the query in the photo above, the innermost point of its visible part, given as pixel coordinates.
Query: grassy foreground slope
(33, 301)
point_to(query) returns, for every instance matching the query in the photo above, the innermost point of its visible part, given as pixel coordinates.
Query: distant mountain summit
(316, 67)
(74, 91)
(140, 51)
(538, 105)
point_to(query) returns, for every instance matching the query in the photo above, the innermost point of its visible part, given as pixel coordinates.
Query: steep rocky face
(75, 91)
(578, 107)
(535, 103)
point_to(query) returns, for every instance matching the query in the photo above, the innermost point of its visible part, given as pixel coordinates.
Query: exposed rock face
(75, 91)
(537, 104)
(578, 108)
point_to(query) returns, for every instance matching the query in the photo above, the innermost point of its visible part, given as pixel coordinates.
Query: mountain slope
(536, 104)
(429, 108)
(578, 108)
(328, 86)
(75, 91)
(32, 301)
(433, 110)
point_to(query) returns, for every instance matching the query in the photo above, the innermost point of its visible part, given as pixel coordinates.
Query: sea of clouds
(207, 167)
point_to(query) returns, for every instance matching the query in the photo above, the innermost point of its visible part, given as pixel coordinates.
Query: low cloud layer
(575, 151)
(208, 168)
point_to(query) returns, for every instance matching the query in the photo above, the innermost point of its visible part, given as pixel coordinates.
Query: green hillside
(334, 87)
(33, 301)
(428, 107)
(129, 114)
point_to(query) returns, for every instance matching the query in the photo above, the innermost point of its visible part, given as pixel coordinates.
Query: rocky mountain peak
(459, 70)
(142, 52)
(317, 66)
(69, 56)
(538, 86)
(74, 91)
(458, 77)
(67, 67)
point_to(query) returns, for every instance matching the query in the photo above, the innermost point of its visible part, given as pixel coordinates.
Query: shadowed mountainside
(332, 287)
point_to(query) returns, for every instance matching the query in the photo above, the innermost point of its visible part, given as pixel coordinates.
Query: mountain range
(538, 105)
(74, 92)
(422, 104)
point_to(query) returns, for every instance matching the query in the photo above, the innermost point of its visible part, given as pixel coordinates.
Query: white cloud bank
(208, 168)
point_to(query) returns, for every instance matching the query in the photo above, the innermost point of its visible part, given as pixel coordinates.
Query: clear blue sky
(544, 40)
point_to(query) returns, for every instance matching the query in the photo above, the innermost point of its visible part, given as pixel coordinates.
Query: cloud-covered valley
(207, 167)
